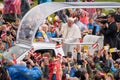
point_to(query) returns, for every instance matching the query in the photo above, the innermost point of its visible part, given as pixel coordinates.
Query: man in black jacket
(117, 19)
(110, 31)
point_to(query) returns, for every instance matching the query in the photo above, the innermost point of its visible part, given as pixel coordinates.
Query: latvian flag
(37, 56)
(3, 34)
(59, 55)
(95, 45)
(64, 60)
(58, 46)
(102, 50)
(31, 51)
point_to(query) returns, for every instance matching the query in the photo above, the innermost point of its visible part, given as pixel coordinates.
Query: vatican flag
(49, 18)
(86, 47)
(106, 47)
(113, 50)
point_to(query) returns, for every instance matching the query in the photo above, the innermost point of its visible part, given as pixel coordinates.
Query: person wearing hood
(21, 72)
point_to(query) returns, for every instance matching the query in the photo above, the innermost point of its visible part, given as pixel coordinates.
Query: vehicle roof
(37, 15)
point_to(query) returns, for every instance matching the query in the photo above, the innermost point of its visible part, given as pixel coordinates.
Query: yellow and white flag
(106, 47)
(86, 47)
(113, 50)
(45, 36)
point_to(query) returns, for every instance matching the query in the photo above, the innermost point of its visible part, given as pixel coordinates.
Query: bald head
(71, 19)
(44, 27)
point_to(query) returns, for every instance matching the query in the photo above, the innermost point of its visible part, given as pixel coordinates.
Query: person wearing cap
(70, 33)
(70, 30)
(21, 72)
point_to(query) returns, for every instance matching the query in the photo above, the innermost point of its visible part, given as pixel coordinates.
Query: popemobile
(36, 17)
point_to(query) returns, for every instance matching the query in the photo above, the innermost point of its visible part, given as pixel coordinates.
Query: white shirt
(70, 33)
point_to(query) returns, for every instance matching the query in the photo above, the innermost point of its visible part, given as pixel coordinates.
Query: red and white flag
(31, 51)
(102, 50)
(59, 55)
(95, 45)
(36, 55)
(58, 46)
(64, 60)
(3, 34)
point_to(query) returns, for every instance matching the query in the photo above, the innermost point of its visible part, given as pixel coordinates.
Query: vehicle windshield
(17, 50)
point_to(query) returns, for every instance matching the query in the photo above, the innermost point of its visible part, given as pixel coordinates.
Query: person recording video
(109, 30)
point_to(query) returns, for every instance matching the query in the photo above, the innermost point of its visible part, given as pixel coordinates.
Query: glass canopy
(36, 16)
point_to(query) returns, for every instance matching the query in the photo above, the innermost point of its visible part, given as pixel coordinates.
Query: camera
(102, 19)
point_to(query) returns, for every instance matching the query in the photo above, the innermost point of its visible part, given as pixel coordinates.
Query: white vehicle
(36, 16)
(21, 50)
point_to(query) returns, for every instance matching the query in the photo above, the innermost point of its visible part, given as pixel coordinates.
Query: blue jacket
(91, 26)
(54, 34)
(39, 34)
(44, 1)
(19, 72)
(113, 69)
(72, 72)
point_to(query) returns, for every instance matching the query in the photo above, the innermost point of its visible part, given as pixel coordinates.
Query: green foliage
(1, 0)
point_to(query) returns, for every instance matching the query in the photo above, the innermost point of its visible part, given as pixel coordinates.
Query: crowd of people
(71, 25)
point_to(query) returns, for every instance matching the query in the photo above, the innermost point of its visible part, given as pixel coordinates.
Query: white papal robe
(70, 35)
